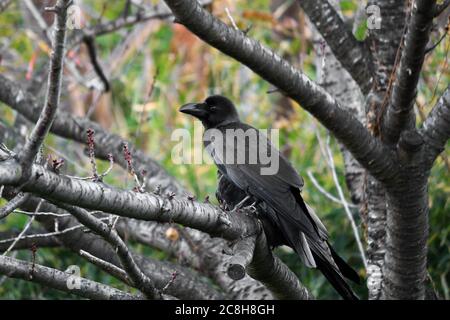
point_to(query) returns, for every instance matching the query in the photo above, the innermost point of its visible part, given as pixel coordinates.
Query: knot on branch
(409, 146)
(411, 141)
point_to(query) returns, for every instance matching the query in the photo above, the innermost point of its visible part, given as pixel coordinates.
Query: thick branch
(353, 56)
(51, 103)
(59, 280)
(143, 206)
(436, 128)
(405, 262)
(400, 114)
(269, 269)
(313, 98)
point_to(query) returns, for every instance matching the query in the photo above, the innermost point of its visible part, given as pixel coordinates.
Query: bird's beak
(194, 109)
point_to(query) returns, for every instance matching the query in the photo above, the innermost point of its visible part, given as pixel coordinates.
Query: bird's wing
(262, 151)
(276, 188)
(276, 193)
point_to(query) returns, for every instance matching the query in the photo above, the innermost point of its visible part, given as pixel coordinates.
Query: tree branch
(400, 114)
(51, 103)
(108, 267)
(436, 128)
(351, 53)
(27, 242)
(313, 98)
(59, 280)
(13, 204)
(144, 283)
(269, 269)
(160, 11)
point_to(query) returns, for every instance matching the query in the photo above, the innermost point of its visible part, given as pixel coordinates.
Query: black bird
(286, 217)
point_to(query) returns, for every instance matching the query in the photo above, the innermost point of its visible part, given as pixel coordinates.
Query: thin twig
(57, 279)
(108, 267)
(47, 214)
(231, 18)
(51, 234)
(25, 229)
(325, 192)
(171, 281)
(345, 203)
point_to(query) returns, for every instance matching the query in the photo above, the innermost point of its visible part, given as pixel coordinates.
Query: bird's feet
(240, 204)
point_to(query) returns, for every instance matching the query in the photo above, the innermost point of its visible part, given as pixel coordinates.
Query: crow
(253, 171)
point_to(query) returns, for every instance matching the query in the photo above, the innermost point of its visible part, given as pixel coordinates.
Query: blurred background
(154, 67)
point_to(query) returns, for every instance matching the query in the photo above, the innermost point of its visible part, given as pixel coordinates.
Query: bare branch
(24, 231)
(13, 204)
(108, 267)
(38, 237)
(436, 128)
(189, 284)
(143, 283)
(241, 258)
(313, 98)
(51, 103)
(353, 55)
(325, 192)
(400, 114)
(26, 242)
(345, 205)
(160, 11)
(59, 280)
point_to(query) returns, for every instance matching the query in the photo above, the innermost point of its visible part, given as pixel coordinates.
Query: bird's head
(214, 111)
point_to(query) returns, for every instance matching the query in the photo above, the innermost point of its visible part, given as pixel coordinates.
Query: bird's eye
(213, 109)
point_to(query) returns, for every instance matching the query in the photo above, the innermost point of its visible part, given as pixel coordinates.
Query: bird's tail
(335, 278)
(334, 268)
